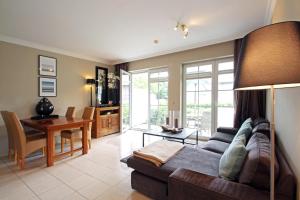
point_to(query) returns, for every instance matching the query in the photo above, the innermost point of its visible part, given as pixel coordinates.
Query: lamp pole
(272, 137)
(91, 89)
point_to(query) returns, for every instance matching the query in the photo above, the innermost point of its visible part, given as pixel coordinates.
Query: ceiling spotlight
(155, 41)
(185, 35)
(177, 26)
(183, 28)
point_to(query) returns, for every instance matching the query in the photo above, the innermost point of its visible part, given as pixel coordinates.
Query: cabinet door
(104, 122)
(115, 123)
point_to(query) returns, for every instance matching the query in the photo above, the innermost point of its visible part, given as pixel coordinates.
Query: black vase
(112, 95)
(44, 107)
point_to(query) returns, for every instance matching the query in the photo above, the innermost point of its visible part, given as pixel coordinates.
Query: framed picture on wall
(47, 66)
(47, 87)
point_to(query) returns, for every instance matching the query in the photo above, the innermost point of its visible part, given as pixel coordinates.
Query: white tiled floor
(98, 175)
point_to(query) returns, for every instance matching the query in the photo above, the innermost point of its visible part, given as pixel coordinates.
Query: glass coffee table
(177, 137)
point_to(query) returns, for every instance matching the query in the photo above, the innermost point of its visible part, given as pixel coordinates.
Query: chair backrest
(70, 112)
(8, 129)
(18, 133)
(88, 113)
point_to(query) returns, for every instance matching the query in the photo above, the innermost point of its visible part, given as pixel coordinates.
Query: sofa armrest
(187, 184)
(228, 130)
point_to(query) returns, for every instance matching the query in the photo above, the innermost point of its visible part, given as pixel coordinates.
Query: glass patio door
(125, 79)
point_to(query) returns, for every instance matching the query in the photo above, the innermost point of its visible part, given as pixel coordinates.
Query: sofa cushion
(263, 127)
(198, 160)
(232, 160)
(245, 129)
(256, 168)
(258, 121)
(216, 146)
(224, 137)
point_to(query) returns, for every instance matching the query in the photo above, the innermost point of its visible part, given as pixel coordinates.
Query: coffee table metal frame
(176, 137)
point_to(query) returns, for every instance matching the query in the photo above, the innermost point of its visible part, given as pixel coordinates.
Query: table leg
(84, 138)
(50, 150)
(183, 141)
(143, 139)
(197, 137)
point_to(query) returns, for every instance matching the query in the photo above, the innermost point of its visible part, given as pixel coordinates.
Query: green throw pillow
(232, 160)
(245, 129)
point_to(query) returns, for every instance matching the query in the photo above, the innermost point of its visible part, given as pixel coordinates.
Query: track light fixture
(183, 28)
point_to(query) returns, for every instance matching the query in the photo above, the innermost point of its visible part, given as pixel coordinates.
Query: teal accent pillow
(245, 129)
(233, 158)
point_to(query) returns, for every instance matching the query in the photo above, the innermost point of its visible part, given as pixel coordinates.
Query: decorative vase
(44, 107)
(112, 95)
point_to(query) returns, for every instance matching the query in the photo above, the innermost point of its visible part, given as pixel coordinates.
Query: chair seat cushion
(34, 145)
(199, 160)
(223, 137)
(216, 146)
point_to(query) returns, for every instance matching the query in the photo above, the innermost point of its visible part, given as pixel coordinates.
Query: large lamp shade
(270, 56)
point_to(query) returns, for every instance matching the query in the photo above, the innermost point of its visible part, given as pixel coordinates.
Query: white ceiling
(113, 31)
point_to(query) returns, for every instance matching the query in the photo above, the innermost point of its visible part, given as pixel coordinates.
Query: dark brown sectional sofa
(193, 172)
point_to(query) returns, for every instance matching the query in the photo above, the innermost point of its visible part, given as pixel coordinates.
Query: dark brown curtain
(118, 68)
(123, 66)
(251, 103)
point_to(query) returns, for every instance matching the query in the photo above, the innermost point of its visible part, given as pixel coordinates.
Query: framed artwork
(101, 86)
(47, 66)
(47, 87)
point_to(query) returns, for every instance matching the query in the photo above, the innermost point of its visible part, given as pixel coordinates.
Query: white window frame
(214, 89)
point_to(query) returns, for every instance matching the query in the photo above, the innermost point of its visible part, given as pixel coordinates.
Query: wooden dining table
(54, 125)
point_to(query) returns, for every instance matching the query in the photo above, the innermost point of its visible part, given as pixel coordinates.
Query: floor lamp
(91, 82)
(270, 59)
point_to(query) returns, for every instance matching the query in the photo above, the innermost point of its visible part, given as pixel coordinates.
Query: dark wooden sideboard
(107, 121)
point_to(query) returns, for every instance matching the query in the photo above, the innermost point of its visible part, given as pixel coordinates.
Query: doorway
(144, 99)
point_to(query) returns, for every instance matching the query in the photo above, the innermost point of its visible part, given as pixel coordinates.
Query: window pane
(163, 113)
(163, 93)
(225, 81)
(158, 115)
(205, 68)
(204, 99)
(225, 66)
(154, 115)
(225, 108)
(192, 70)
(139, 100)
(154, 94)
(192, 98)
(163, 74)
(205, 84)
(192, 85)
(154, 75)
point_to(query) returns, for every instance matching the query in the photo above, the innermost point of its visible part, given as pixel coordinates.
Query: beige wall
(174, 63)
(287, 110)
(19, 83)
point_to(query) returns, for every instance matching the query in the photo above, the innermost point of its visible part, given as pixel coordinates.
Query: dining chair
(70, 112)
(11, 145)
(24, 145)
(73, 134)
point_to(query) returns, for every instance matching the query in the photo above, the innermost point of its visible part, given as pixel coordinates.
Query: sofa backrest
(256, 168)
(262, 126)
(286, 183)
(285, 178)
